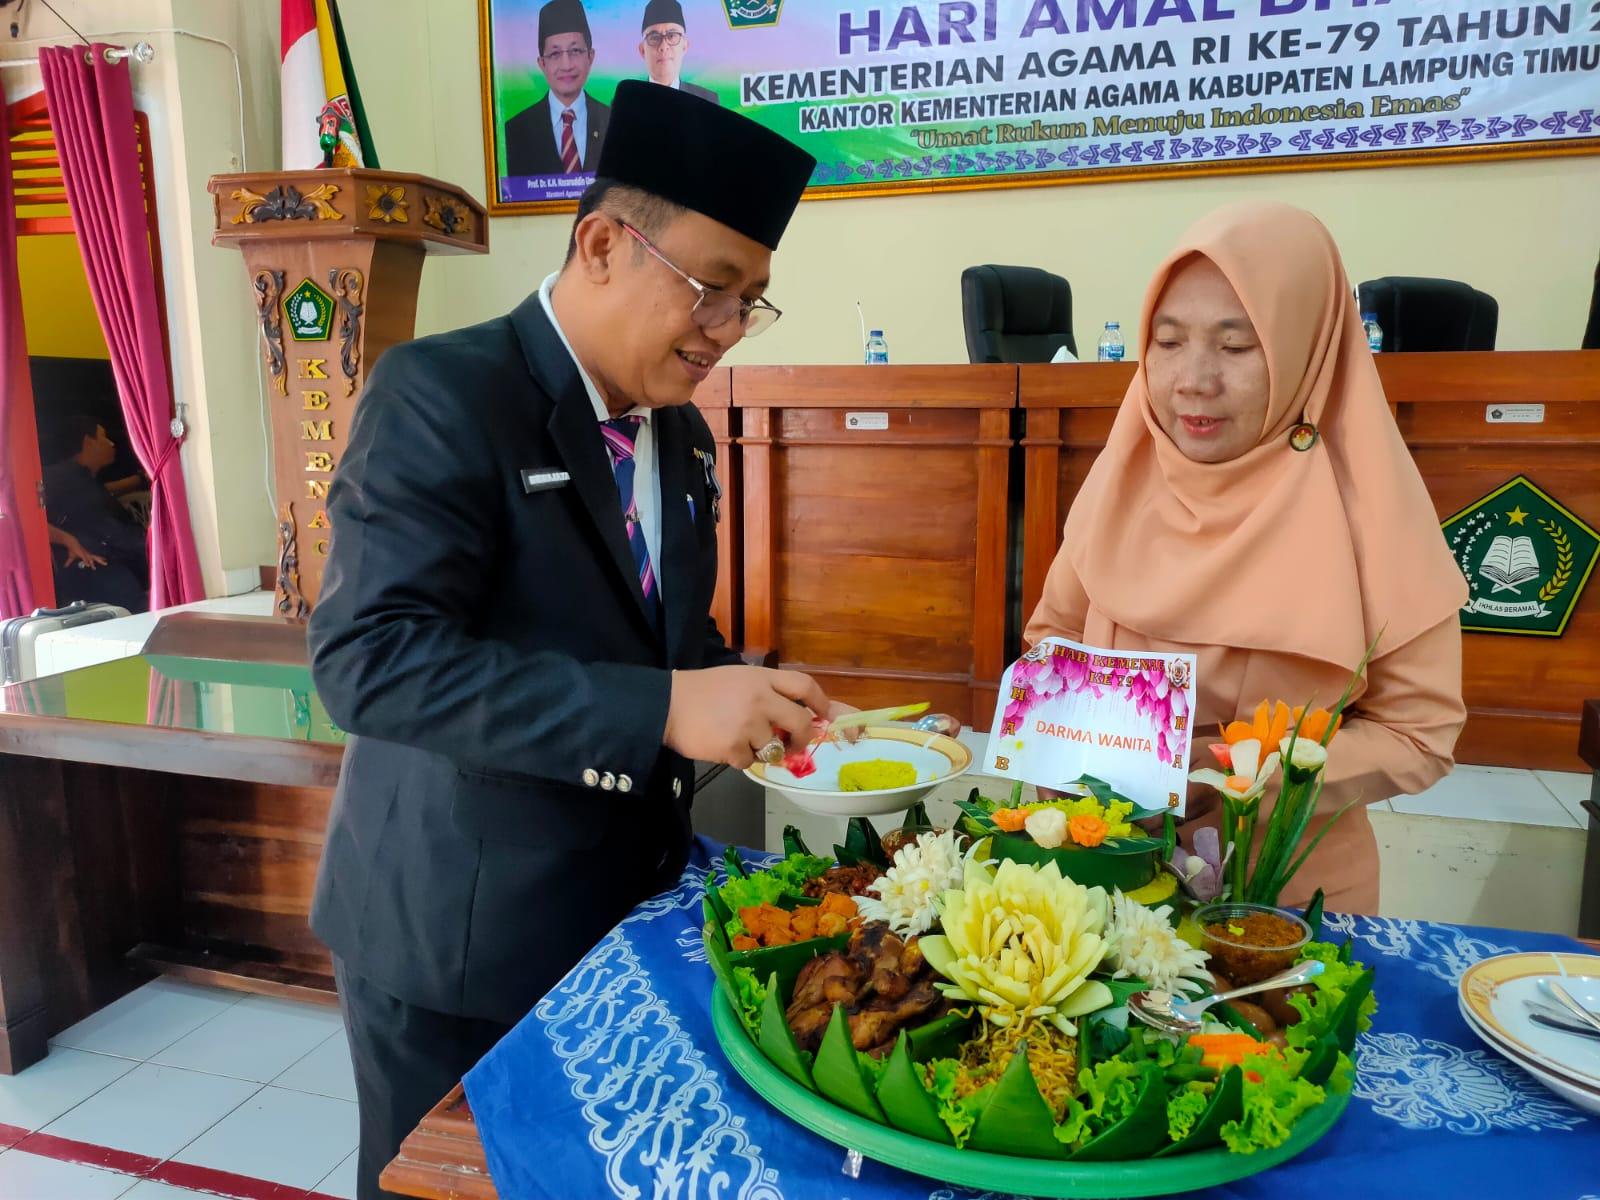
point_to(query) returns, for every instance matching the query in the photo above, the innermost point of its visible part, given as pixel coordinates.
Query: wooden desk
(165, 813)
(442, 1159)
(1523, 693)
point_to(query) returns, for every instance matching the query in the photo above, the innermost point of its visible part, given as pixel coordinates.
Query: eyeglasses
(715, 308)
(673, 37)
(576, 54)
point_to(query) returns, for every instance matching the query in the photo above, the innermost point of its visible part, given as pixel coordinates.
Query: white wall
(1526, 231)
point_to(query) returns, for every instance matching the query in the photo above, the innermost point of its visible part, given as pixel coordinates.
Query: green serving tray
(1000, 1172)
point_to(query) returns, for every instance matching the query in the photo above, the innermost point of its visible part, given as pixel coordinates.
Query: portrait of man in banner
(561, 133)
(663, 43)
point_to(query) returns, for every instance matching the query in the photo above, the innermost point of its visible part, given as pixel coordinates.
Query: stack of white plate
(1495, 995)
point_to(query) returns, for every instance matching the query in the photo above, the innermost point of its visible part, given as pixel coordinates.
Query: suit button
(624, 783)
(677, 788)
(608, 781)
(591, 777)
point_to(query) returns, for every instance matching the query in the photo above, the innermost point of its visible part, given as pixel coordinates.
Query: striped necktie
(620, 435)
(569, 144)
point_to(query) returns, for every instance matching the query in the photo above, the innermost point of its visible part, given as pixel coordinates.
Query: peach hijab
(1307, 553)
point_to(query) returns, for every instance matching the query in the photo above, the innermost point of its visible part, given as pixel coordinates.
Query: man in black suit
(663, 41)
(514, 625)
(560, 134)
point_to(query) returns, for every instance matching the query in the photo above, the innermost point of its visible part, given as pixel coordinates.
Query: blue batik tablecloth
(615, 1086)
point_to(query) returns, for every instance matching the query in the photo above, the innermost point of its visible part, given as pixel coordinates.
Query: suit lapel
(576, 434)
(677, 529)
(546, 134)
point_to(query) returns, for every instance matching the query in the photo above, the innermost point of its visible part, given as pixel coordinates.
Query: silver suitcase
(20, 635)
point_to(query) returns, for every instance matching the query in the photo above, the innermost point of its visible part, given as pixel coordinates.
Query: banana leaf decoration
(861, 845)
(1126, 863)
(1139, 1134)
(906, 1103)
(1017, 1120)
(1227, 1104)
(1313, 914)
(793, 843)
(777, 1039)
(838, 1071)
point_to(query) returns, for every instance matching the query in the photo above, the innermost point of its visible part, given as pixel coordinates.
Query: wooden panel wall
(1523, 694)
(875, 559)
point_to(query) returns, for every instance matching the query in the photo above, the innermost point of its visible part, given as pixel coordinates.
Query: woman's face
(1206, 367)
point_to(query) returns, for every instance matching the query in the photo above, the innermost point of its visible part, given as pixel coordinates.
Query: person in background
(1214, 523)
(561, 133)
(514, 625)
(104, 555)
(663, 41)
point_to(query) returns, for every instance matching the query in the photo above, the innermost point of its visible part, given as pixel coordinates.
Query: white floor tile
(341, 1181)
(26, 1176)
(150, 1189)
(258, 1038)
(326, 1071)
(153, 1110)
(1489, 794)
(285, 1137)
(1572, 789)
(47, 1089)
(148, 1020)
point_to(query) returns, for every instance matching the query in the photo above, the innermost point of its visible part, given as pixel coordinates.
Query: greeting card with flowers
(1067, 710)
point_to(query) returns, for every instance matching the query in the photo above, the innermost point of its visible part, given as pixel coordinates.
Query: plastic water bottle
(877, 350)
(1369, 322)
(1111, 348)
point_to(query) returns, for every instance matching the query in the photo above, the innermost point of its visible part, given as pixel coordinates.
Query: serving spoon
(1166, 1012)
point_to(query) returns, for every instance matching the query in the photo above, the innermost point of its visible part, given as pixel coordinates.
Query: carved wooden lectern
(335, 258)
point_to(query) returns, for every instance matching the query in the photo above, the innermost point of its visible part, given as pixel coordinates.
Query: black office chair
(1420, 315)
(1015, 314)
(1591, 335)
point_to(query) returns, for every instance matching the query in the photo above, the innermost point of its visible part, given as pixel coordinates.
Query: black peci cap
(662, 12)
(563, 16)
(706, 158)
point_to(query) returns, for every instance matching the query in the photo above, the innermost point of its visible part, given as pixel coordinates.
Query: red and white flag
(323, 120)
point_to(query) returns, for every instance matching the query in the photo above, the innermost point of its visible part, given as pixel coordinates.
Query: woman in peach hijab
(1255, 506)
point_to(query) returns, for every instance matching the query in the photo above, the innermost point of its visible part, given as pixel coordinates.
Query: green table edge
(999, 1172)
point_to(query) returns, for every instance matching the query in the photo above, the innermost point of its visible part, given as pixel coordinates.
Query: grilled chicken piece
(828, 980)
(873, 1028)
(877, 950)
(911, 960)
(809, 1024)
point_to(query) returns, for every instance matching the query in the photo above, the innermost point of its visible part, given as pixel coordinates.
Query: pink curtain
(16, 582)
(91, 111)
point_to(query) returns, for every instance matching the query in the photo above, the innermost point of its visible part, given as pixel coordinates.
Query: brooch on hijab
(1303, 436)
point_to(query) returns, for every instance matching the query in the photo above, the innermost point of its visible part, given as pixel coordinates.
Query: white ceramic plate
(1494, 991)
(1574, 1093)
(938, 759)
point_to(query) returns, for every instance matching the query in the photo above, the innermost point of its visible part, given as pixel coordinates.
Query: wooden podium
(335, 258)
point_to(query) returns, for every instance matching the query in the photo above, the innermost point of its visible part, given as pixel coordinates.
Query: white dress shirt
(646, 486)
(580, 127)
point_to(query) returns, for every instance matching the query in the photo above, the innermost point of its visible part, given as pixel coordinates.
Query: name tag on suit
(543, 479)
